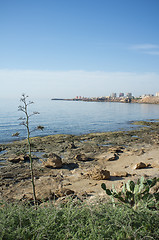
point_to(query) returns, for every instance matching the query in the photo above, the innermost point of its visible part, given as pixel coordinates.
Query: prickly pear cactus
(135, 194)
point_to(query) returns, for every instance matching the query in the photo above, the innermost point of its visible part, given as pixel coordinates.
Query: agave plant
(135, 194)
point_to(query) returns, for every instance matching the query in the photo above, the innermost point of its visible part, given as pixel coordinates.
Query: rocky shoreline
(77, 165)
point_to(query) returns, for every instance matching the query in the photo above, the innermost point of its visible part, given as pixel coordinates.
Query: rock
(15, 134)
(140, 165)
(81, 157)
(120, 174)
(98, 174)
(111, 157)
(15, 159)
(118, 149)
(54, 161)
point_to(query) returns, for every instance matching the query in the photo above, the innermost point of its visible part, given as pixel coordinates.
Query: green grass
(77, 221)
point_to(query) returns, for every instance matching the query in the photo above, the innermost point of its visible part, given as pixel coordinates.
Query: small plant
(25, 122)
(135, 194)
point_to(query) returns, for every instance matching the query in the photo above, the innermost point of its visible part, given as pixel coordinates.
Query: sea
(71, 117)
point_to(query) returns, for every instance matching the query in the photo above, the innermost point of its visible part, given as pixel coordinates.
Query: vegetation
(76, 221)
(136, 194)
(25, 122)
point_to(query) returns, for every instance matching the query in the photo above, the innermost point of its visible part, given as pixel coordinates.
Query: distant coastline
(126, 100)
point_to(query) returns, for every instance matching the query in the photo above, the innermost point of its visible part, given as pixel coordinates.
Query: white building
(157, 94)
(113, 95)
(129, 95)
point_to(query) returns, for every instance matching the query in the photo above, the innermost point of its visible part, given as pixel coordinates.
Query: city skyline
(89, 48)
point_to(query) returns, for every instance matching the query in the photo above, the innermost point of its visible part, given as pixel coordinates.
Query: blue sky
(66, 48)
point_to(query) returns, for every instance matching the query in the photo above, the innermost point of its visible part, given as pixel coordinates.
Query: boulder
(98, 174)
(140, 165)
(81, 157)
(54, 161)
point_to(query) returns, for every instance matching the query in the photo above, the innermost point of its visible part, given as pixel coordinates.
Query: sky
(69, 48)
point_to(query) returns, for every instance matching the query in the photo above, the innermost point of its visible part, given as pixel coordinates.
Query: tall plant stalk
(25, 122)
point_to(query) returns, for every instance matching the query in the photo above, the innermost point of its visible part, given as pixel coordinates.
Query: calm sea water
(64, 117)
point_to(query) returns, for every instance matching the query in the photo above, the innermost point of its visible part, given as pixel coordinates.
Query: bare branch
(23, 123)
(30, 103)
(34, 113)
(21, 108)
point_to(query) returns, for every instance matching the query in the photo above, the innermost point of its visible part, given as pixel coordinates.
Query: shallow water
(69, 117)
